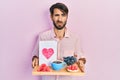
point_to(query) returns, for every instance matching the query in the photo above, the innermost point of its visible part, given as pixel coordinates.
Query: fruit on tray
(43, 68)
(72, 68)
(69, 60)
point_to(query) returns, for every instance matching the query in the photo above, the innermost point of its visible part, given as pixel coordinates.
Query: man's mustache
(59, 22)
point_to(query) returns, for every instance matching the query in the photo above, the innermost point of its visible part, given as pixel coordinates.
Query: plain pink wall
(96, 21)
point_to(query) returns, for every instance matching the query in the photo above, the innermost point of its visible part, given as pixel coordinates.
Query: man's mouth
(60, 23)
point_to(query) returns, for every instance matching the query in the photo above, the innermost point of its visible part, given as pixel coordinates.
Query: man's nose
(60, 18)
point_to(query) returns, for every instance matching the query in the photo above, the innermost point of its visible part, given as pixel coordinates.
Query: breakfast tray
(60, 72)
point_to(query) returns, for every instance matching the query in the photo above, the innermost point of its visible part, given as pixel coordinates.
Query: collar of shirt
(67, 33)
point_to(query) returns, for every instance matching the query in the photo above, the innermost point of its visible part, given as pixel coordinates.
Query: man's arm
(79, 54)
(35, 59)
(35, 53)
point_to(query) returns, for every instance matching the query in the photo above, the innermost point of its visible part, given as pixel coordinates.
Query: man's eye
(63, 15)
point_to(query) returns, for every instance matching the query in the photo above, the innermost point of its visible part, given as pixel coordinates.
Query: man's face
(59, 19)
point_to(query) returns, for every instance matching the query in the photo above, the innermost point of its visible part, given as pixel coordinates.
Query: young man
(68, 43)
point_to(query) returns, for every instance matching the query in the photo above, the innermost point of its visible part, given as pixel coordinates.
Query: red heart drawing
(47, 52)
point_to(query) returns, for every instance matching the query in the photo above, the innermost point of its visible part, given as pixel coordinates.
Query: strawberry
(47, 69)
(43, 65)
(43, 68)
(39, 69)
(72, 67)
(69, 67)
(75, 67)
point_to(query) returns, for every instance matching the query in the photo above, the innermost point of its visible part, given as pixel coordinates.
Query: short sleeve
(35, 51)
(78, 49)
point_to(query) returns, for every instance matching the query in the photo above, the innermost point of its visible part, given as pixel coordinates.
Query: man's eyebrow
(56, 14)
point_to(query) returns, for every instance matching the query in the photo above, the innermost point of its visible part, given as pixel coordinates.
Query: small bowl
(58, 65)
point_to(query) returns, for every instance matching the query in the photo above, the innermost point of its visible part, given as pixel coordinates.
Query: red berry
(47, 69)
(75, 67)
(44, 69)
(72, 67)
(43, 65)
(41, 69)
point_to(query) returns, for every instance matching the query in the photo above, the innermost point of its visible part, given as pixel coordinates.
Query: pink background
(96, 21)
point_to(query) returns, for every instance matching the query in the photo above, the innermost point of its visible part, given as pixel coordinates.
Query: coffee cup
(58, 65)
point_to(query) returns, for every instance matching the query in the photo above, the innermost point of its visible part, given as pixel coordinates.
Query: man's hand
(35, 61)
(81, 63)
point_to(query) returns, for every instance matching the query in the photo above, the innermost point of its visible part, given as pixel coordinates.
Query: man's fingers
(82, 69)
(81, 65)
(35, 62)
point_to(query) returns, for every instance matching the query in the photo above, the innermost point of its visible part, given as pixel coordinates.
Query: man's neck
(59, 33)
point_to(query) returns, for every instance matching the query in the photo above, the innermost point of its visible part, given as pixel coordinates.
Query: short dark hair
(60, 6)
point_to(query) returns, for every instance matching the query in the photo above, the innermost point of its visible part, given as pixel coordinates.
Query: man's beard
(59, 27)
